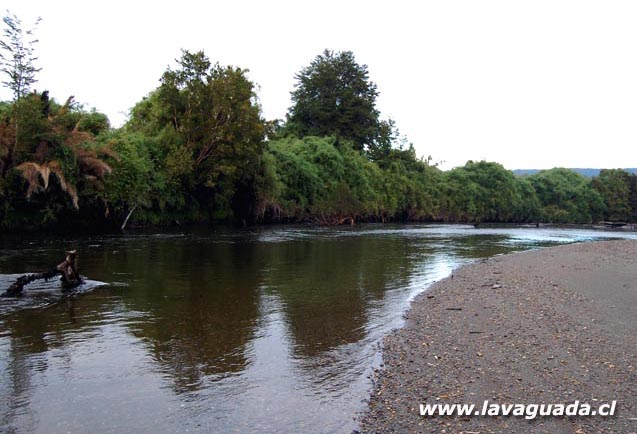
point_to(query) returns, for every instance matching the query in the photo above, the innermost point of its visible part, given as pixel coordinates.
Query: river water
(268, 330)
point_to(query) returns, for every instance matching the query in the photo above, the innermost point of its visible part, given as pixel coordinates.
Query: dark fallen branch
(67, 269)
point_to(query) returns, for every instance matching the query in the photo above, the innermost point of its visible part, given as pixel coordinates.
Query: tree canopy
(567, 197)
(209, 126)
(197, 148)
(334, 96)
(617, 189)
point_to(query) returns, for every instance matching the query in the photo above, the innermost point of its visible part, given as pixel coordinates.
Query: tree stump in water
(67, 269)
(70, 276)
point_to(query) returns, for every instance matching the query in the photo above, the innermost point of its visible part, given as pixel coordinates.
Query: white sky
(529, 84)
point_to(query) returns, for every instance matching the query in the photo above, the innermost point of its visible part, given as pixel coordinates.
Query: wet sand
(547, 326)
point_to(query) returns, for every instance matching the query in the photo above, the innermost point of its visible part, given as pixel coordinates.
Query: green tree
(321, 180)
(411, 187)
(333, 96)
(482, 191)
(614, 185)
(633, 197)
(210, 124)
(135, 183)
(17, 58)
(380, 149)
(58, 165)
(527, 207)
(57, 145)
(17, 62)
(567, 197)
(7, 139)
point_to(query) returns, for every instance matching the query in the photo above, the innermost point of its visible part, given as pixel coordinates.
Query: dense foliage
(567, 197)
(208, 140)
(198, 149)
(51, 162)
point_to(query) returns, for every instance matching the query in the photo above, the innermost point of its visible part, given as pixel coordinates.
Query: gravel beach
(547, 326)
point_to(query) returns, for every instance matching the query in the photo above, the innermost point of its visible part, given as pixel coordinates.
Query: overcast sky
(533, 84)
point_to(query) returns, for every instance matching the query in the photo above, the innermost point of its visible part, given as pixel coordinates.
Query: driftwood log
(67, 269)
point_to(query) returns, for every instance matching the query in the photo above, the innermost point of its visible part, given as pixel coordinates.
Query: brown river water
(217, 330)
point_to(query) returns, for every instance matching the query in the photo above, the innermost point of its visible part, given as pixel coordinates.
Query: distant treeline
(589, 173)
(198, 149)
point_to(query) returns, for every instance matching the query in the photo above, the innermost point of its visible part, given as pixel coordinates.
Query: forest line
(197, 149)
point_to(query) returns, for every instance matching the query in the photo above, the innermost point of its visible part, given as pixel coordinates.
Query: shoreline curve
(545, 326)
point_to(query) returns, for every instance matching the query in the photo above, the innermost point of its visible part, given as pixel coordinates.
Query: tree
(482, 192)
(333, 96)
(323, 181)
(614, 185)
(380, 149)
(17, 63)
(55, 143)
(17, 57)
(135, 182)
(209, 120)
(567, 197)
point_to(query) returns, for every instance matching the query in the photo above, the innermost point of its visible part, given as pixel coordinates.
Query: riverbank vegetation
(197, 148)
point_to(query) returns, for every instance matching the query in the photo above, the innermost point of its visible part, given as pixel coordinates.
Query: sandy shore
(547, 326)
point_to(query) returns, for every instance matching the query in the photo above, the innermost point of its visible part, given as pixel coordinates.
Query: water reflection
(327, 287)
(268, 330)
(33, 341)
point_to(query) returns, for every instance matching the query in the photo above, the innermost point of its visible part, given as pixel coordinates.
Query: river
(217, 330)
